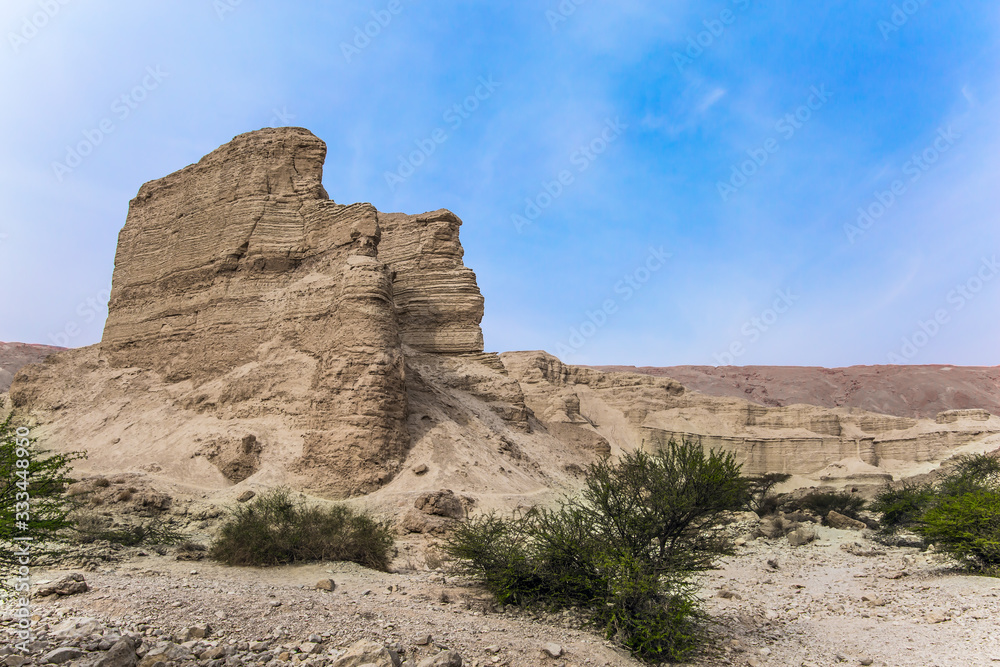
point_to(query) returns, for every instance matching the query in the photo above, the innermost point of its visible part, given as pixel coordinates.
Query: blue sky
(641, 183)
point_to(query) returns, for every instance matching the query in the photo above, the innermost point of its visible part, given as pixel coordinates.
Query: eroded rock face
(640, 409)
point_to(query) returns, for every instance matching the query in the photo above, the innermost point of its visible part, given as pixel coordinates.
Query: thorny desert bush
(625, 549)
(32, 482)
(761, 500)
(273, 529)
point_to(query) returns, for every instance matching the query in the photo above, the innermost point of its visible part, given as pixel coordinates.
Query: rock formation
(259, 331)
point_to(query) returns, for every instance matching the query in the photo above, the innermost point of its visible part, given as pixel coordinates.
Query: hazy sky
(641, 183)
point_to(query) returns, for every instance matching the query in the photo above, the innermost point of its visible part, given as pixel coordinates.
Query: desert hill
(14, 356)
(261, 333)
(904, 391)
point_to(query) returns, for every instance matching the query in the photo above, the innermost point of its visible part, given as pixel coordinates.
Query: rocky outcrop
(259, 332)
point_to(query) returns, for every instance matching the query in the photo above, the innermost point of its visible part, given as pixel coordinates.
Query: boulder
(122, 654)
(841, 522)
(71, 584)
(441, 503)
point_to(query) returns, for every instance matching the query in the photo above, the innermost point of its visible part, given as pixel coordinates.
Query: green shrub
(968, 528)
(35, 482)
(273, 529)
(903, 507)
(822, 502)
(625, 549)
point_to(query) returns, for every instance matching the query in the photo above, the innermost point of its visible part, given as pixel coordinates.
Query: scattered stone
(326, 585)
(865, 661)
(841, 522)
(423, 640)
(552, 650)
(71, 584)
(245, 496)
(420, 469)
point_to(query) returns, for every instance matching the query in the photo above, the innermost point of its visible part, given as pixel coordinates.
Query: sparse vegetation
(274, 529)
(959, 514)
(625, 550)
(822, 502)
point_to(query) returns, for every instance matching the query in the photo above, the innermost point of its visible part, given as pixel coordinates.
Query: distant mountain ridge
(902, 391)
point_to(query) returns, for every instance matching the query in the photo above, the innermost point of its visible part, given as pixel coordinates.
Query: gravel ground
(840, 600)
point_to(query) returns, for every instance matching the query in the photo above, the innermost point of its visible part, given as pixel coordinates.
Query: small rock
(365, 652)
(420, 469)
(936, 617)
(196, 632)
(423, 640)
(326, 585)
(865, 661)
(552, 650)
(443, 659)
(801, 536)
(310, 648)
(245, 496)
(14, 660)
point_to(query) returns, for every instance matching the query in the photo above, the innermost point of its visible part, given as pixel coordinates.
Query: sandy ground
(771, 604)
